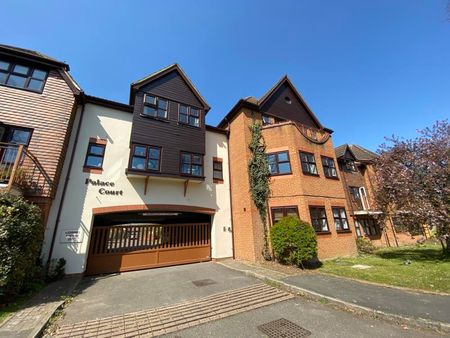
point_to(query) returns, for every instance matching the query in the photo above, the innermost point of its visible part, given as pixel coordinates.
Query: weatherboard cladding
(170, 135)
(295, 111)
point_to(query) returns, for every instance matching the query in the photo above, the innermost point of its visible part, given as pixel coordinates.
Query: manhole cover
(203, 282)
(283, 328)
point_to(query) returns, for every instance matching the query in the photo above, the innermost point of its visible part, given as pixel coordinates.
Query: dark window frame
(284, 210)
(155, 106)
(6, 139)
(95, 143)
(277, 162)
(218, 161)
(189, 115)
(350, 166)
(319, 207)
(340, 219)
(28, 76)
(308, 163)
(146, 157)
(191, 154)
(327, 168)
(266, 120)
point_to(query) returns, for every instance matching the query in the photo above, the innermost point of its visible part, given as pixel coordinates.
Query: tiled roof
(360, 153)
(33, 54)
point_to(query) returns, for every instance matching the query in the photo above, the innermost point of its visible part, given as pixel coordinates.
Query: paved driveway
(117, 294)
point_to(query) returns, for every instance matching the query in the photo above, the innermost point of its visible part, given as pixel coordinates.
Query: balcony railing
(20, 169)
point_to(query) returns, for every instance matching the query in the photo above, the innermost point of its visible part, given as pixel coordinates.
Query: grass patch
(429, 269)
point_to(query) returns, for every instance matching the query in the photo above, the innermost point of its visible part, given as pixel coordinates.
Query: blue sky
(368, 69)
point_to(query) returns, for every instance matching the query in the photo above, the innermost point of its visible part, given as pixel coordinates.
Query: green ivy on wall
(259, 177)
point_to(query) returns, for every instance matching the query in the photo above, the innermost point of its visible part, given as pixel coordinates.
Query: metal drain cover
(283, 328)
(203, 282)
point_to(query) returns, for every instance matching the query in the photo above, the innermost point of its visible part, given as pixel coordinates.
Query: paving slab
(34, 315)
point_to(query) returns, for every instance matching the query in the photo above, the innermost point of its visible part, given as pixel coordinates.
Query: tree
(259, 176)
(413, 180)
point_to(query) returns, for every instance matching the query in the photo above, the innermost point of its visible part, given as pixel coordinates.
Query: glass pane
(217, 165)
(345, 224)
(21, 69)
(333, 172)
(284, 168)
(282, 157)
(20, 136)
(311, 158)
(196, 170)
(185, 169)
(313, 213)
(162, 113)
(4, 65)
(271, 158)
(2, 132)
(154, 153)
(196, 159)
(94, 161)
(325, 161)
(312, 169)
(322, 213)
(149, 111)
(324, 224)
(343, 213)
(217, 174)
(39, 74)
(277, 215)
(183, 118)
(303, 157)
(9, 156)
(291, 212)
(195, 112)
(153, 164)
(273, 168)
(140, 151)
(337, 224)
(162, 104)
(3, 77)
(183, 109)
(17, 81)
(335, 213)
(96, 150)
(193, 121)
(35, 84)
(138, 163)
(150, 99)
(185, 158)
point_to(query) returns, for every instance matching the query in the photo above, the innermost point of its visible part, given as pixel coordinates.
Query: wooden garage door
(143, 246)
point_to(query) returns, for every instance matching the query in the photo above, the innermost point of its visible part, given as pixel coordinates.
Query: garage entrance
(126, 241)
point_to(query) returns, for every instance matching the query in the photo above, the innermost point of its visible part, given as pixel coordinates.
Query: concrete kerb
(361, 310)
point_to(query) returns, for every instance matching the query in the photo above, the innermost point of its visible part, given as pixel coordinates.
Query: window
(319, 219)
(189, 115)
(358, 229)
(354, 193)
(279, 163)
(329, 168)
(155, 106)
(13, 135)
(340, 219)
(280, 212)
(266, 120)
(217, 170)
(146, 158)
(19, 76)
(350, 165)
(95, 155)
(308, 163)
(369, 226)
(191, 164)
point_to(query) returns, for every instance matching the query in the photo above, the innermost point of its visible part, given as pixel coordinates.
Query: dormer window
(350, 165)
(266, 120)
(189, 115)
(19, 76)
(155, 107)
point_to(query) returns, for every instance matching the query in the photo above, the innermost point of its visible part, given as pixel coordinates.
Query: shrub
(21, 236)
(56, 270)
(365, 246)
(294, 241)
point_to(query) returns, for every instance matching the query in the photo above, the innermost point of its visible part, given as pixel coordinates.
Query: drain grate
(283, 328)
(203, 282)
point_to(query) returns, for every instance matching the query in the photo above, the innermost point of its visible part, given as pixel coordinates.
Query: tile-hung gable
(167, 104)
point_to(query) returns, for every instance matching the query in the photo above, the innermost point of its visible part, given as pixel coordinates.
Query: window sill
(284, 174)
(323, 232)
(160, 119)
(217, 181)
(344, 231)
(309, 174)
(332, 178)
(188, 125)
(192, 176)
(92, 170)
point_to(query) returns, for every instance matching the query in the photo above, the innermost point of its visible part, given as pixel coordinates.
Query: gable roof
(253, 103)
(34, 55)
(359, 153)
(162, 72)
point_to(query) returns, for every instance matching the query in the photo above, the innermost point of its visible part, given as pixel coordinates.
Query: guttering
(66, 181)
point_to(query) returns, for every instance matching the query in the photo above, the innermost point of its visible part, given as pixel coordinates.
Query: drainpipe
(61, 204)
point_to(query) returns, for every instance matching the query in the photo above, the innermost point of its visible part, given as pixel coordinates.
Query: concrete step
(158, 321)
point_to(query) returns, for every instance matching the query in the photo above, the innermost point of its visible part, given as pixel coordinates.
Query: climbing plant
(259, 174)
